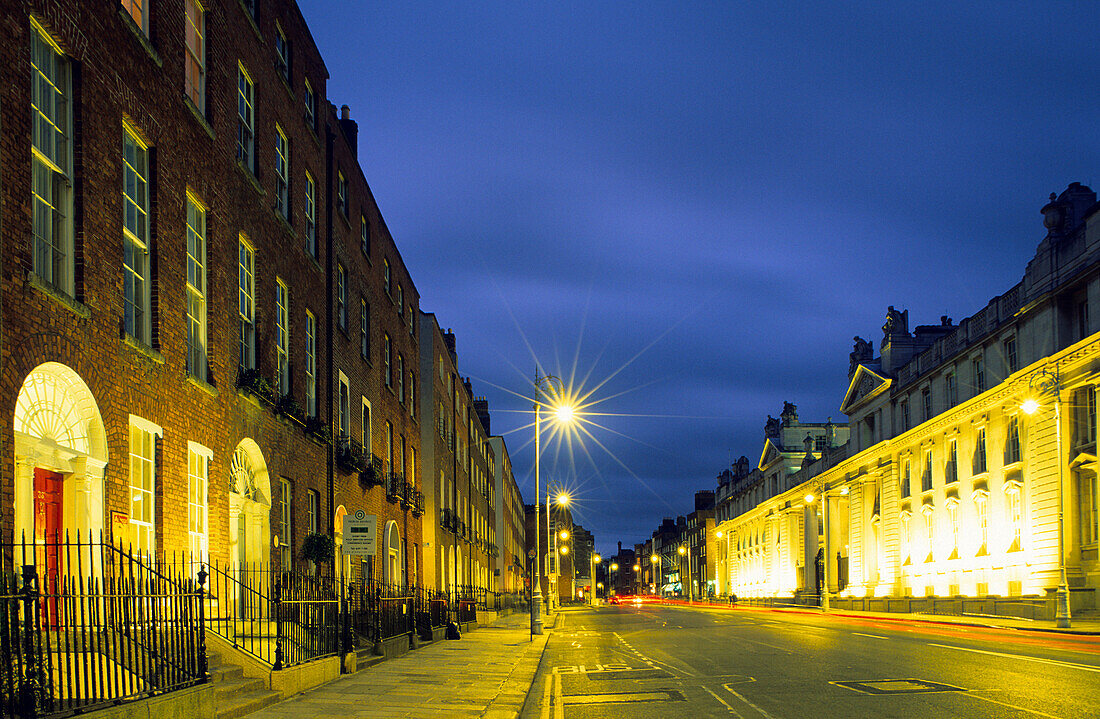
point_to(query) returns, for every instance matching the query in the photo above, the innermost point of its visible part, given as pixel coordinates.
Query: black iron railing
(84, 624)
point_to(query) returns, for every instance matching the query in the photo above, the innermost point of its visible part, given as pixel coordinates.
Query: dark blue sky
(725, 193)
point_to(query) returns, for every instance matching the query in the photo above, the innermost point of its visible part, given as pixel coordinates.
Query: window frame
(311, 365)
(246, 119)
(282, 337)
(282, 53)
(311, 215)
(146, 491)
(341, 297)
(195, 57)
(136, 259)
(246, 344)
(198, 487)
(196, 295)
(282, 173)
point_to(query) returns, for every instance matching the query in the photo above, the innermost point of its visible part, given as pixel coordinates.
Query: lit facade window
(282, 172)
(246, 129)
(953, 517)
(1008, 347)
(312, 523)
(310, 100)
(135, 235)
(386, 277)
(400, 300)
(1084, 420)
(143, 485)
(412, 394)
(907, 478)
(981, 464)
(246, 305)
(137, 10)
(389, 445)
(341, 194)
(1012, 441)
(198, 477)
(401, 378)
(926, 475)
(51, 161)
(311, 365)
(282, 53)
(194, 76)
(1015, 516)
(311, 216)
(364, 235)
(366, 439)
(951, 467)
(1087, 498)
(364, 329)
(345, 407)
(929, 531)
(387, 359)
(978, 367)
(907, 536)
(196, 289)
(341, 297)
(282, 337)
(981, 511)
(286, 536)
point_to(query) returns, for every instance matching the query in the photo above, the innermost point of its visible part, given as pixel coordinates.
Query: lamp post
(637, 578)
(654, 560)
(1042, 382)
(595, 559)
(683, 554)
(543, 383)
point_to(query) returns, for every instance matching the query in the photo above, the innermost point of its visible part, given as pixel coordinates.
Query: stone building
(971, 467)
(510, 561)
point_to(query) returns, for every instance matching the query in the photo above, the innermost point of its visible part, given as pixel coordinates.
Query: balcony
(395, 487)
(407, 496)
(373, 473)
(349, 455)
(448, 519)
(417, 503)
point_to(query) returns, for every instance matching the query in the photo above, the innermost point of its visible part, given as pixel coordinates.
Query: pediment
(770, 455)
(866, 385)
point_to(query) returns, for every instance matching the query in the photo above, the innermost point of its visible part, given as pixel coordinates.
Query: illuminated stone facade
(948, 487)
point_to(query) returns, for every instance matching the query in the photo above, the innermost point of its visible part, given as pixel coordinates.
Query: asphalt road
(657, 661)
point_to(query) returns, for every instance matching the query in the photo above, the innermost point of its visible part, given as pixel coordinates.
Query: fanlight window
(52, 408)
(242, 475)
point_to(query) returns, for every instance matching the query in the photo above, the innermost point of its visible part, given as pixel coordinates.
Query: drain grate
(898, 686)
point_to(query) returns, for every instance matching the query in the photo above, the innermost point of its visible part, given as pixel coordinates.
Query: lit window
(341, 194)
(311, 365)
(951, 467)
(980, 463)
(926, 476)
(314, 511)
(282, 336)
(364, 235)
(951, 392)
(341, 297)
(1012, 441)
(907, 479)
(136, 10)
(364, 329)
(142, 519)
(400, 300)
(907, 535)
(311, 216)
(345, 407)
(196, 289)
(953, 516)
(282, 172)
(979, 375)
(367, 447)
(135, 235)
(246, 305)
(387, 358)
(246, 131)
(194, 83)
(1015, 515)
(400, 378)
(929, 531)
(981, 509)
(1086, 494)
(1009, 349)
(386, 276)
(282, 53)
(285, 535)
(51, 162)
(198, 466)
(311, 106)
(412, 394)
(1084, 420)
(389, 445)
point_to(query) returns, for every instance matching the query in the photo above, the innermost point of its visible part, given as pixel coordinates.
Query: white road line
(762, 712)
(1011, 706)
(873, 636)
(1053, 662)
(723, 702)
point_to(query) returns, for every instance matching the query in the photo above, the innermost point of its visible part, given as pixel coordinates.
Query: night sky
(698, 205)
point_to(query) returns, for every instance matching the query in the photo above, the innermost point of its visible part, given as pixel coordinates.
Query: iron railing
(85, 624)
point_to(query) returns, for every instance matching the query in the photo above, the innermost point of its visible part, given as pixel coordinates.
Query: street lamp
(1043, 382)
(611, 578)
(563, 413)
(596, 559)
(654, 560)
(683, 556)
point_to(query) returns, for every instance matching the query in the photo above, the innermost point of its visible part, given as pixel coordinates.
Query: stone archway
(341, 561)
(393, 570)
(249, 507)
(60, 446)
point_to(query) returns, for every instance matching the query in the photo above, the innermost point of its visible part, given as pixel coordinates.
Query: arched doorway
(341, 562)
(394, 572)
(60, 455)
(249, 507)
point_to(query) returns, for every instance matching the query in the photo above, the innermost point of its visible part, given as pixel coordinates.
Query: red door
(47, 537)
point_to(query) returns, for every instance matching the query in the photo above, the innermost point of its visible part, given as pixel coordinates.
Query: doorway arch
(394, 571)
(249, 506)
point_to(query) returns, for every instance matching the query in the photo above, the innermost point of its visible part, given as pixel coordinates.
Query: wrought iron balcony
(395, 486)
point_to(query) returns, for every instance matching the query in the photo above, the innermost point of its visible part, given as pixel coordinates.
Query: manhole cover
(898, 686)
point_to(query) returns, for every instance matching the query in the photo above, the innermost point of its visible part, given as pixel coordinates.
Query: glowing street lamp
(595, 559)
(543, 383)
(562, 500)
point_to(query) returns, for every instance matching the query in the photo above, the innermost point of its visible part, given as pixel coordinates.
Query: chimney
(449, 340)
(481, 407)
(350, 128)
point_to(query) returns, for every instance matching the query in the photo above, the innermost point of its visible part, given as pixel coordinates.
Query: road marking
(1053, 662)
(559, 704)
(873, 636)
(762, 712)
(1014, 706)
(723, 703)
(626, 697)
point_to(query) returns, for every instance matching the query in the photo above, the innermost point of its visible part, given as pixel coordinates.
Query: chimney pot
(345, 112)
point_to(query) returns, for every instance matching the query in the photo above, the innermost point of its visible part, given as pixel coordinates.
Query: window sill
(199, 117)
(285, 221)
(286, 84)
(203, 385)
(78, 308)
(251, 21)
(251, 178)
(139, 346)
(316, 262)
(140, 36)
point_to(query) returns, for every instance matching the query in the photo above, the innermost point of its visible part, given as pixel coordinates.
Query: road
(665, 661)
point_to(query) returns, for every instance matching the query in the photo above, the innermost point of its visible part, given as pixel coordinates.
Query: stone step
(241, 686)
(242, 705)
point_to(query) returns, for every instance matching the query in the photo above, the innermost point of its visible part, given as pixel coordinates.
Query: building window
(1081, 315)
(341, 194)
(311, 106)
(311, 216)
(341, 298)
(904, 416)
(51, 162)
(282, 337)
(194, 81)
(386, 277)
(136, 10)
(389, 446)
(246, 130)
(285, 535)
(907, 536)
(367, 447)
(246, 305)
(143, 485)
(1084, 420)
(1012, 441)
(345, 407)
(135, 235)
(387, 357)
(1086, 494)
(314, 511)
(364, 235)
(282, 172)
(907, 479)
(412, 394)
(196, 288)
(1015, 515)
(926, 476)
(282, 53)
(981, 510)
(929, 531)
(311, 365)
(978, 366)
(364, 329)
(401, 378)
(951, 467)
(400, 300)
(198, 466)
(412, 322)
(951, 390)
(1009, 347)
(926, 400)
(980, 464)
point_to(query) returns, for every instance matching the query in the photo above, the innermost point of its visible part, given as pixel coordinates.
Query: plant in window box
(319, 429)
(319, 549)
(287, 406)
(251, 381)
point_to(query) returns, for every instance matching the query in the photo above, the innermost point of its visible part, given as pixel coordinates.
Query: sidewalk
(486, 673)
